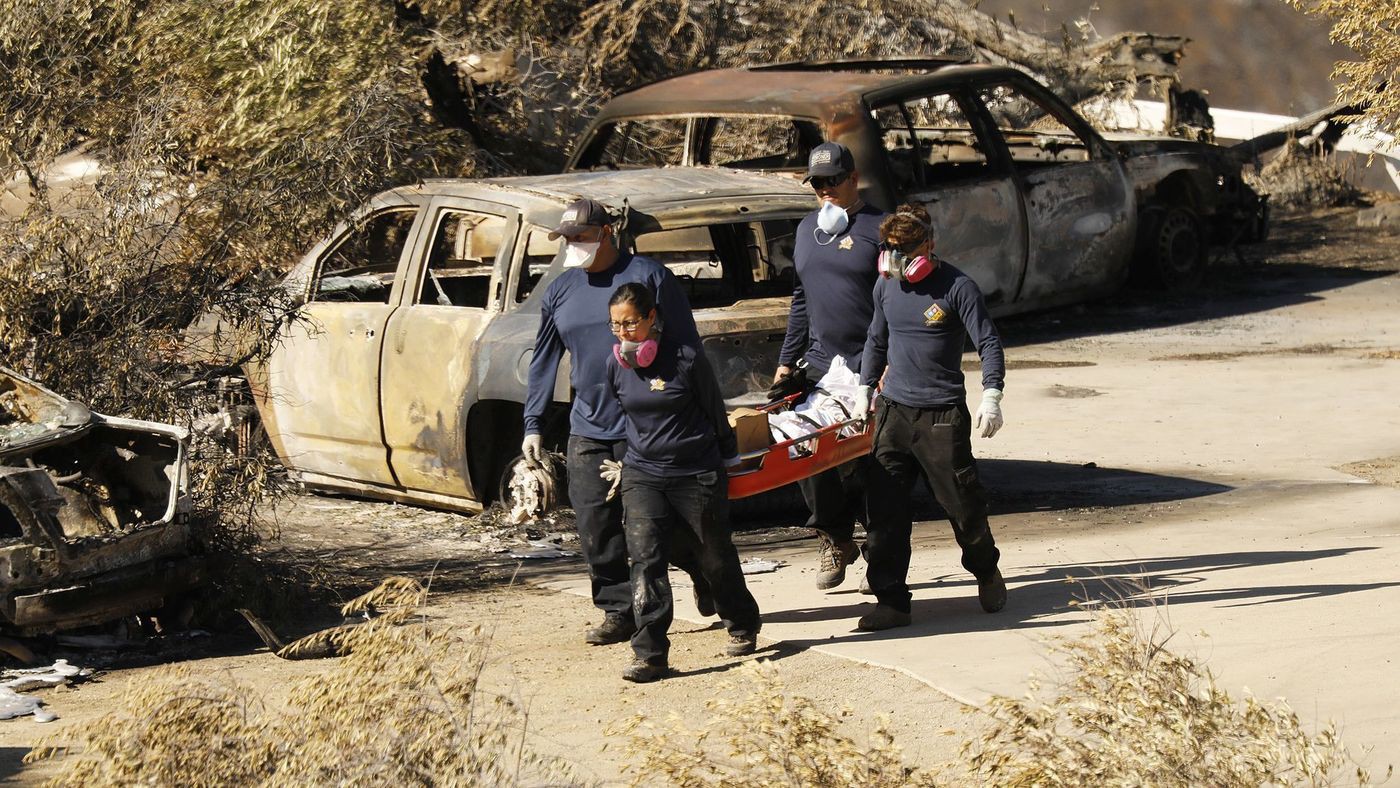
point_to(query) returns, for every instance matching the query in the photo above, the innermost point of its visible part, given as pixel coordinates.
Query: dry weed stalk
(768, 738)
(403, 708)
(1129, 712)
(1302, 178)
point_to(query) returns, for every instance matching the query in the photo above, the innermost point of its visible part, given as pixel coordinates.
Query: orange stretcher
(776, 468)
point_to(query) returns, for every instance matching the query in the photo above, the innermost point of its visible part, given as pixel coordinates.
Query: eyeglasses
(828, 181)
(626, 325)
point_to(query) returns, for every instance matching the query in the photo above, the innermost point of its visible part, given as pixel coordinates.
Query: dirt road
(1236, 450)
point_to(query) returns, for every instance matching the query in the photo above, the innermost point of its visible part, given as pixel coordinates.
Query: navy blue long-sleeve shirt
(831, 297)
(918, 331)
(676, 422)
(574, 317)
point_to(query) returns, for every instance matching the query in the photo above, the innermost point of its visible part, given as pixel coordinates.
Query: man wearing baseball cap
(574, 317)
(837, 247)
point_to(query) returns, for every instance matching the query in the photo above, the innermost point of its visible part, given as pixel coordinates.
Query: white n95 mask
(832, 218)
(581, 255)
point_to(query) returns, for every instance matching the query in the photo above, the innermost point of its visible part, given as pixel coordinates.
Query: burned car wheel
(1172, 249)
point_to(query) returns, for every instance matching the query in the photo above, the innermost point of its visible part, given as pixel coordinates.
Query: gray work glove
(989, 418)
(611, 471)
(532, 448)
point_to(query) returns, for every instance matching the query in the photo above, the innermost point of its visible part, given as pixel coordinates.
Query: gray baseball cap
(579, 216)
(829, 159)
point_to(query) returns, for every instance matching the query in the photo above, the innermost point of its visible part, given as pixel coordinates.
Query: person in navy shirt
(674, 487)
(924, 311)
(834, 256)
(573, 318)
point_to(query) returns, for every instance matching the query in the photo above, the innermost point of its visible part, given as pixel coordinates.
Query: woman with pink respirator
(673, 482)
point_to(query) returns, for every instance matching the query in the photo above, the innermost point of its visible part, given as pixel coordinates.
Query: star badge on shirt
(934, 315)
(847, 243)
(657, 384)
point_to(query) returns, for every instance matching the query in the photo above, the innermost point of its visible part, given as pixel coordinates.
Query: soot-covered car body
(92, 513)
(403, 375)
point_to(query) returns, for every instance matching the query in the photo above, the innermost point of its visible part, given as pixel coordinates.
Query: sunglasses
(904, 250)
(828, 181)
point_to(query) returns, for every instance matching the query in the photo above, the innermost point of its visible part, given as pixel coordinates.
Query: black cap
(579, 216)
(829, 159)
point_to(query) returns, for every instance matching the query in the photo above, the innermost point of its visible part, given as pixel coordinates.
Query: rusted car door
(320, 390)
(939, 158)
(1078, 200)
(453, 289)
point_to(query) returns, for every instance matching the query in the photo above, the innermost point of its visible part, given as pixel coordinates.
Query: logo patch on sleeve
(934, 315)
(657, 384)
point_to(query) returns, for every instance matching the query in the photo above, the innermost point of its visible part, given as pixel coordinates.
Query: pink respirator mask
(634, 355)
(895, 264)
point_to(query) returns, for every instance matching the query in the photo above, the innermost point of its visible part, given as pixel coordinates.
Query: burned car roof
(649, 191)
(796, 92)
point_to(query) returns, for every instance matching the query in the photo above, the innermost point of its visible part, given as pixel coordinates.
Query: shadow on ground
(1040, 596)
(1019, 486)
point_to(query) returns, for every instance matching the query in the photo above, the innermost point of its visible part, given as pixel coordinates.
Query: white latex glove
(611, 471)
(989, 418)
(533, 450)
(862, 402)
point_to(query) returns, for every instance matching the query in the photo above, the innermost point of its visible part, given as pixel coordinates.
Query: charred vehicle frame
(1028, 198)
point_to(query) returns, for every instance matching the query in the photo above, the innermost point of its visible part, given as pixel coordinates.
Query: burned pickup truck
(92, 513)
(403, 375)
(1026, 196)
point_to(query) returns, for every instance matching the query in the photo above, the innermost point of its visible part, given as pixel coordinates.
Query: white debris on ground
(15, 681)
(542, 550)
(760, 566)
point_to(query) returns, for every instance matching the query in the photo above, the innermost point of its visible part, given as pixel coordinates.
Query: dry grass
(1130, 712)
(1301, 178)
(769, 738)
(402, 708)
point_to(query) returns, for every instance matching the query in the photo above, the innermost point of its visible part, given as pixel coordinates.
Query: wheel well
(494, 431)
(1177, 189)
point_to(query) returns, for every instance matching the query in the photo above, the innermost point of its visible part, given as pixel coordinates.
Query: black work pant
(599, 523)
(835, 497)
(937, 442)
(689, 514)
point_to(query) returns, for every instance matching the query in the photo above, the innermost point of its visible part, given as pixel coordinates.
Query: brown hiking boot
(642, 672)
(832, 561)
(882, 617)
(741, 645)
(615, 628)
(991, 592)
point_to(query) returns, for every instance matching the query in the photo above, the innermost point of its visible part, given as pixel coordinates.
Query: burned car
(92, 513)
(1027, 198)
(403, 376)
